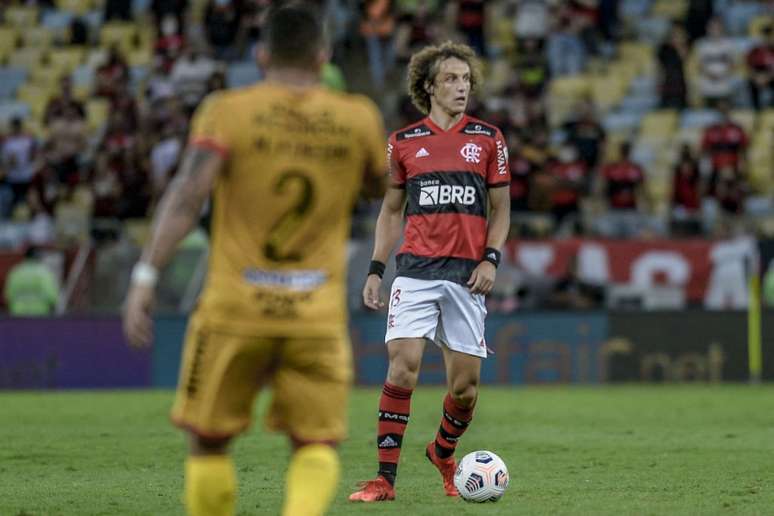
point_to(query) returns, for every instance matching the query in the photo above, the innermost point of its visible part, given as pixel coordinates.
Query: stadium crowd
(624, 119)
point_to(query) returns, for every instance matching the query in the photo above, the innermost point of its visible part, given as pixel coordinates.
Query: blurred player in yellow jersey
(286, 161)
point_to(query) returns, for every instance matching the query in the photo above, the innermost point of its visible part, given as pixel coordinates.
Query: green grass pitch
(593, 450)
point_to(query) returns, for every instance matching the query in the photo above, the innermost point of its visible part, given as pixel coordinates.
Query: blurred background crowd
(625, 119)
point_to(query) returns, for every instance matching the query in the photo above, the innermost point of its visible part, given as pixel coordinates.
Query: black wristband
(492, 256)
(377, 268)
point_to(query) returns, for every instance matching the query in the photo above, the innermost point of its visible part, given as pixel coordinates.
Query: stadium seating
(36, 97)
(10, 80)
(97, 111)
(10, 109)
(122, 35)
(66, 59)
(77, 7)
(21, 17)
(37, 37)
(26, 57)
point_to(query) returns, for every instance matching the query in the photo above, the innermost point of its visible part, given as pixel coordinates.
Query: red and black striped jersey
(446, 175)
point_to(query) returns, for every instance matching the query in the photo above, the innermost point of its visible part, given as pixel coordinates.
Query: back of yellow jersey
(295, 162)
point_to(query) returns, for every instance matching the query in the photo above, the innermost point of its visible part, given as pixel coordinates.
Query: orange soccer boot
(446, 467)
(378, 490)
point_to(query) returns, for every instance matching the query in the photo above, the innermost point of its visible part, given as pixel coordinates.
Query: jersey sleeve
(498, 172)
(397, 171)
(209, 126)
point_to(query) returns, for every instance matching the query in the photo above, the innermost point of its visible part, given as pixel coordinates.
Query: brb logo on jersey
(432, 193)
(471, 152)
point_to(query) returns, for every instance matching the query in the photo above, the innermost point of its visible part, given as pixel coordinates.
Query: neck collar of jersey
(454, 128)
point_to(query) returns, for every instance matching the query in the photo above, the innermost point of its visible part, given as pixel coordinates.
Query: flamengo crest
(471, 152)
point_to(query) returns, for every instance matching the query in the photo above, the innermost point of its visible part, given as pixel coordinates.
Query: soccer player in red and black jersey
(450, 175)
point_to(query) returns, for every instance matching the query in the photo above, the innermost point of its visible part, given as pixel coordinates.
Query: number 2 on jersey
(290, 221)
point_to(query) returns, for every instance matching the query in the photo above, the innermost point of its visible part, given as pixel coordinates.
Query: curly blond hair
(424, 66)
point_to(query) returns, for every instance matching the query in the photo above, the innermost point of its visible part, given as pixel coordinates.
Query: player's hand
(482, 279)
(371, 296)
(138, 324)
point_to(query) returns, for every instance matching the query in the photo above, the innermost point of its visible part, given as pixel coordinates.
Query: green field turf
(622, 450)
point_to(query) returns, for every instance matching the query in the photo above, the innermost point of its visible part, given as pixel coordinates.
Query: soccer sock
(312, 479)
(210, 485)
(394, 409)
(454, 422)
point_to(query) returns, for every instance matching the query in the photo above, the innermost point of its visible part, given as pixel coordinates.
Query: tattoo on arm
(179, 209)
(190, 187)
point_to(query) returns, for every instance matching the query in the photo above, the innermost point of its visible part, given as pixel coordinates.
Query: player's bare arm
(483, 276)
(389, 227)
(177, 214)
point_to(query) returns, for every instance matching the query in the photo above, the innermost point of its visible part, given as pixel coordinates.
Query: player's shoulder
(477, 127)
(221, 100)
(356, 107)
(411, 132)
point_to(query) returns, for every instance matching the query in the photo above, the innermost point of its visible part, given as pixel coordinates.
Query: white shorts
(442, 311)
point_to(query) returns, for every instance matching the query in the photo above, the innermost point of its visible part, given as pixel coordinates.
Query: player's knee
(464, 394)
(403, 373)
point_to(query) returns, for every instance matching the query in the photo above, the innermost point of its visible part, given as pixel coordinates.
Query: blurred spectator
(378, 28)
(79, 32)
(531, 68)
(570, 178)
(118, 10)
(217, 81)
(58, 105)
(728, 188)
(566, 53)
(768, 286)
(521, 175)
(18, 154)
(416, 27)
(687, 193)
(531, 20)
(67, 140)
(46, 189)
(164, 158)
(112, 73)
(672, 55)
(623, 180)
(159, 85)
(698, 14)
(725, 142)
(31, 289)
(120, 183)
(170, 42)
(586, 134)
(40, 231)
(715, 54)
(471, 18)
(608, 21)
(570, 292)
(190, 75)
(760, 65)
(124, 102)
(222, 21)
(585, 16)
(163, 9)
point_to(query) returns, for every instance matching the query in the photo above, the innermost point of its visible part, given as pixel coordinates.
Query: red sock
(394, 409)
(454, 422)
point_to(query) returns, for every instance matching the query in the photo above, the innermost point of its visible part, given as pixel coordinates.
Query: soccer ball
(481, 476)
